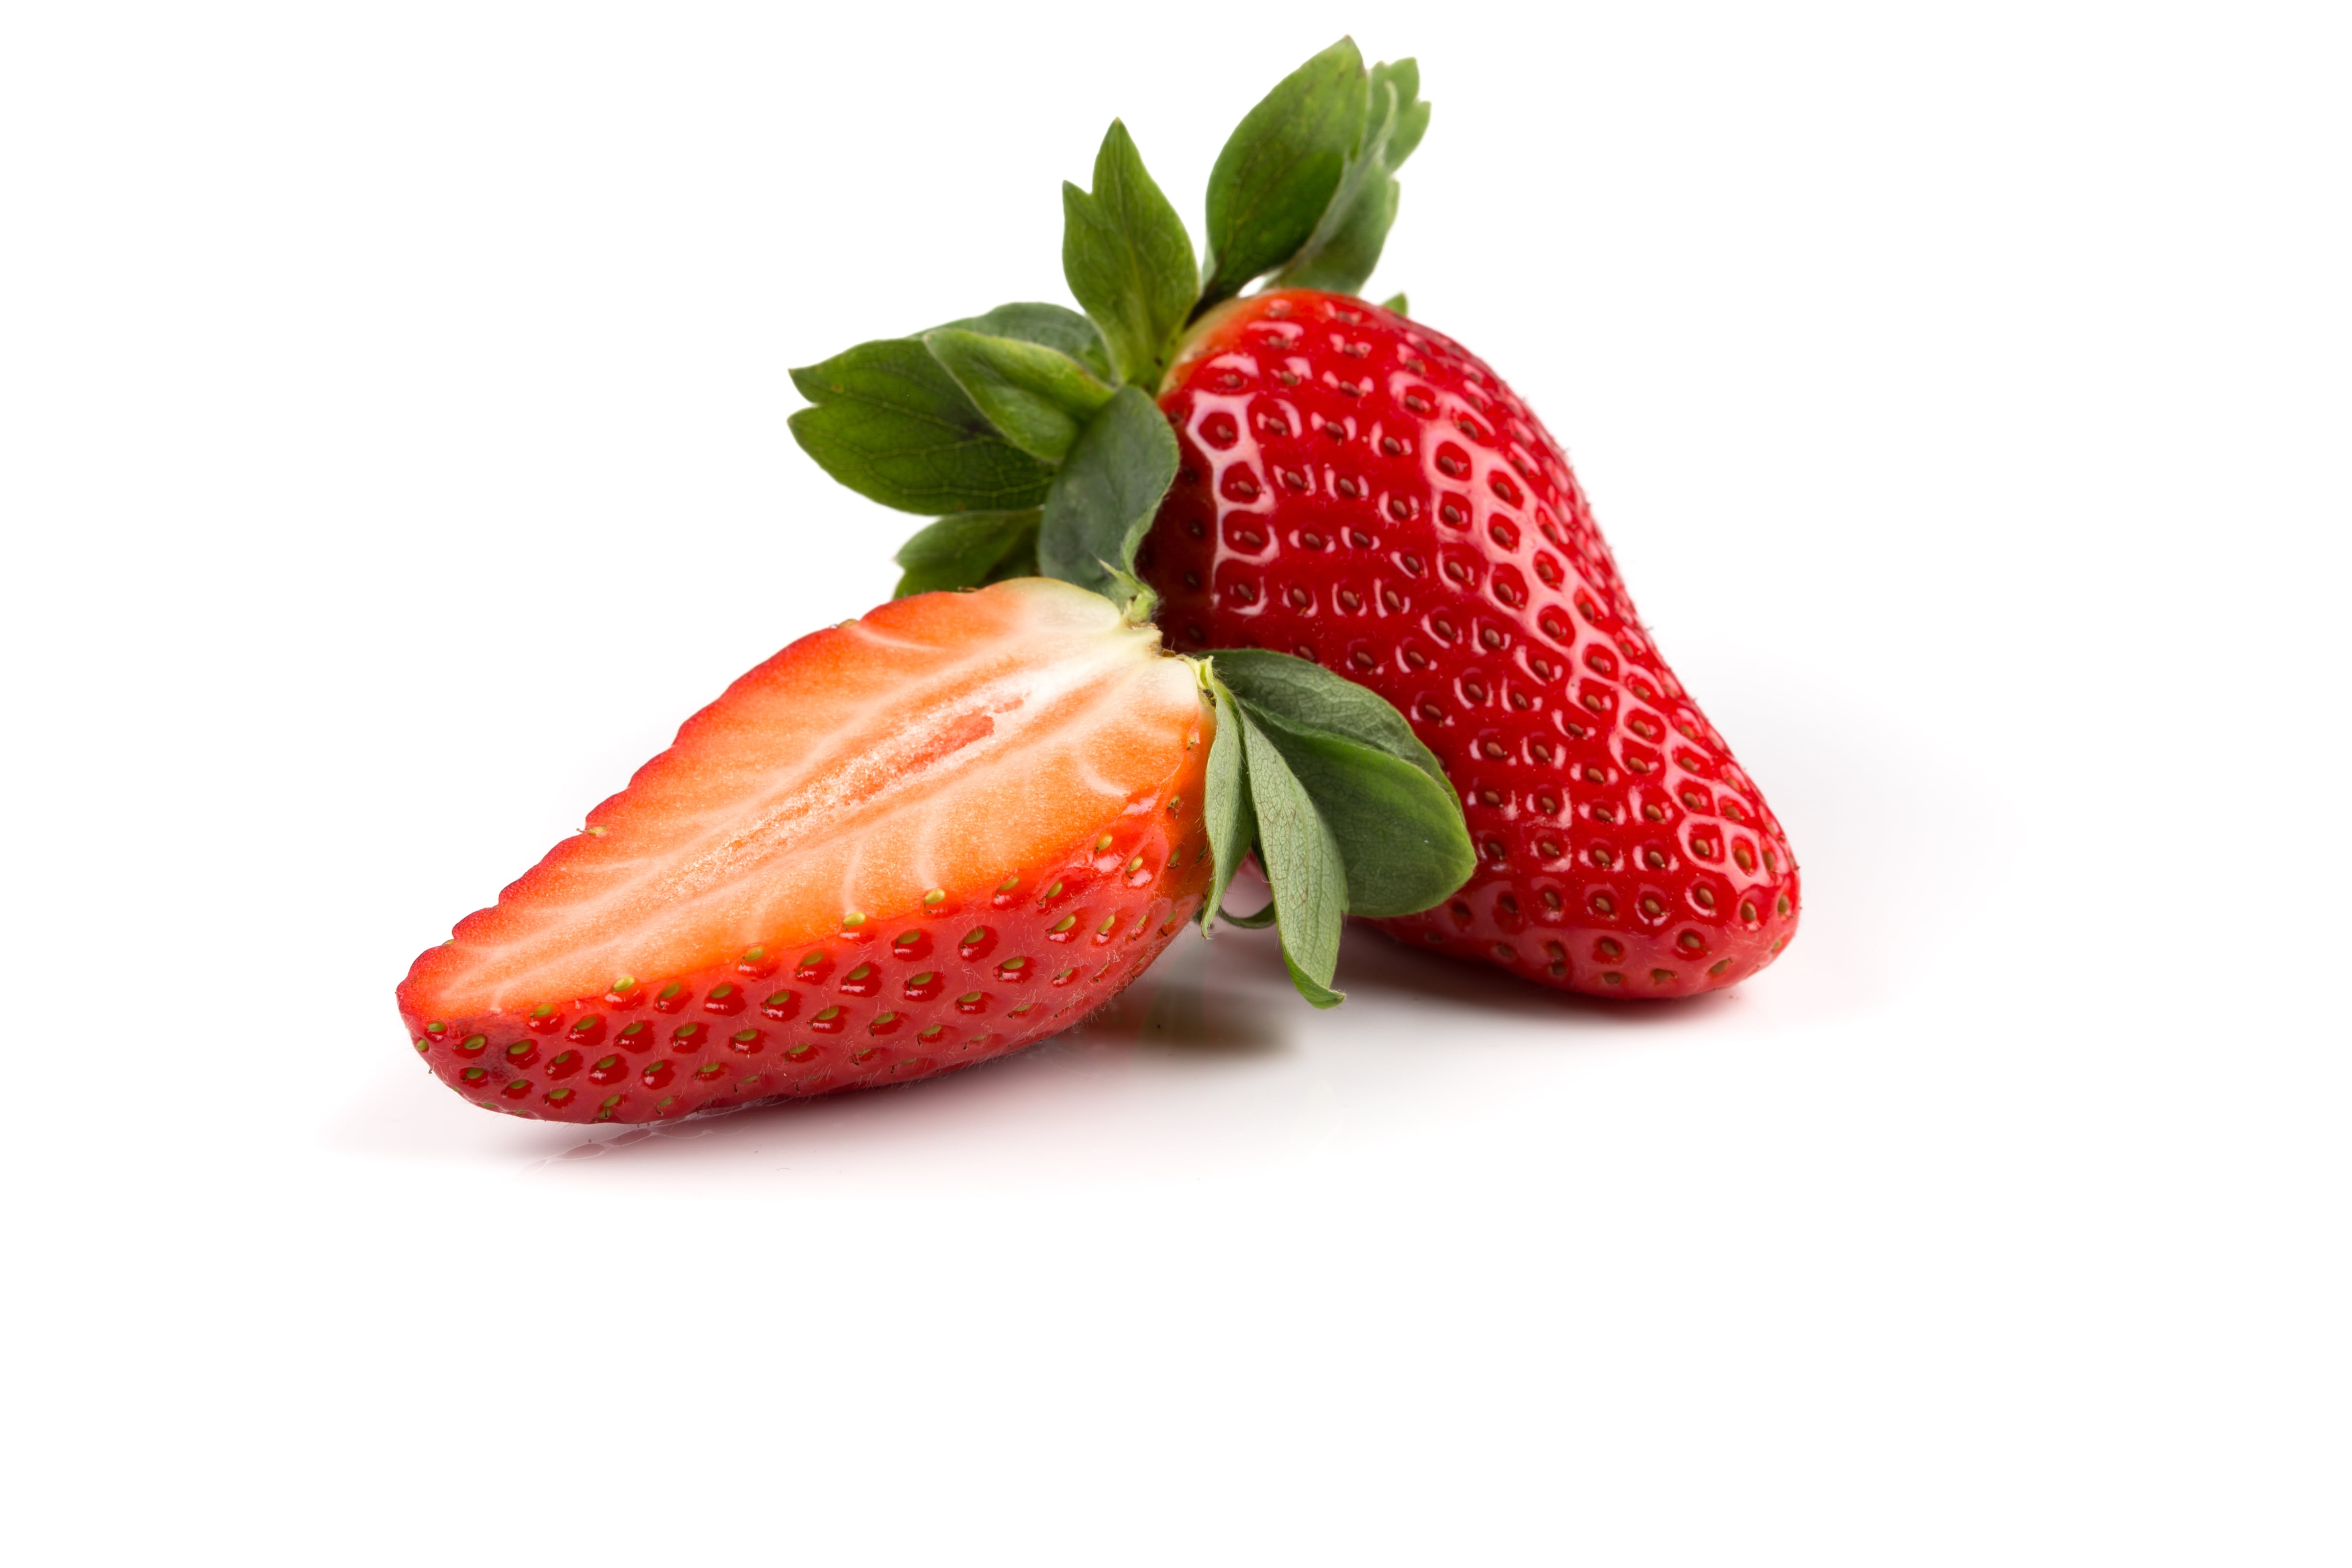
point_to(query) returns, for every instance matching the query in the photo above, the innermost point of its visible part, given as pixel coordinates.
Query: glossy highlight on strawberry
(1362, 491)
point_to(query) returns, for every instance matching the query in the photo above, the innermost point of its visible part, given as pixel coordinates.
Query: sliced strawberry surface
(914, 840)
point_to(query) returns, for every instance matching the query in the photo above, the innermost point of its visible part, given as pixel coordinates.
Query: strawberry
(1362, 491)
(909, 843)
(1329, 479)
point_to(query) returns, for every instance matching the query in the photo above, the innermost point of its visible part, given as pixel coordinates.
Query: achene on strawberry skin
(946, 987)
(1362, 491)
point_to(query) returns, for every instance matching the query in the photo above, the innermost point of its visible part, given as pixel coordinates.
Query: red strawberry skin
(1362, 491)
(1001, 953)
(930, 990)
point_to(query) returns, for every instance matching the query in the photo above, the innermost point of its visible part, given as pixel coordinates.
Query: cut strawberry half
(912, 842)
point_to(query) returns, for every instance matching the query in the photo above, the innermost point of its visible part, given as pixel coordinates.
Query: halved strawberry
(916, 841)
(912, 842)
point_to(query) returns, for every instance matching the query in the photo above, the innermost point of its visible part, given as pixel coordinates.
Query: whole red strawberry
(1331, 481)
(1360, 492)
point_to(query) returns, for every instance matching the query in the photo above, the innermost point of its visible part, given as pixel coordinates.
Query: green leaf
(1397, 303)
(1308, 695)
(1053, 326)
(1400, 833)
(1258, 922)
(969, 550)
(1128, 260)
(1346, 246)
(1302, 861)
(1413, 114)
(1225, 803)
(1397, 818)
(892, 424)
(1281, 168)
(1038, 398)
(1108, 492)
(1137, 600)
(1021, 561)
(1318, 993)
(1349, 813)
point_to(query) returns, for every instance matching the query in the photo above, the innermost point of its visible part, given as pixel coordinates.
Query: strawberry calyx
(1306, 187)
(1031, 432)
(1346, 811)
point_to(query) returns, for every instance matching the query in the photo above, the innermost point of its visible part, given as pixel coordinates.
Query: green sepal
(1050, 326)
(1318, 993)
(1304, 693)
(1128, 260)
(1137, 600)
(1345, 810)
(1225, 805)
(1020, 562)
(890, 423)
(1385, 797)
(1302, 862)
(1396, 304)
(1107, 494)
(1413, 113)
(969, 550)
(1346, 243)
(1282, 168)
(1037, 398)
(1258, 922)
(1402, 836)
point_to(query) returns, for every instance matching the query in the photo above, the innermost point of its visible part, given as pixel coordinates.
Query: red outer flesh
(1360, 492)
(846, 1011)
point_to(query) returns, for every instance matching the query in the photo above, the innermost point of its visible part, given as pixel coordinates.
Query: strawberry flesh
(913, 842)
(1359, 490)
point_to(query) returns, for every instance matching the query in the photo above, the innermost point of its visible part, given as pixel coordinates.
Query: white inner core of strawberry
(942, 743)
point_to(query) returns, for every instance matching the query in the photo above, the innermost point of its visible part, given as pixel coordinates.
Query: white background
(393, 451)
